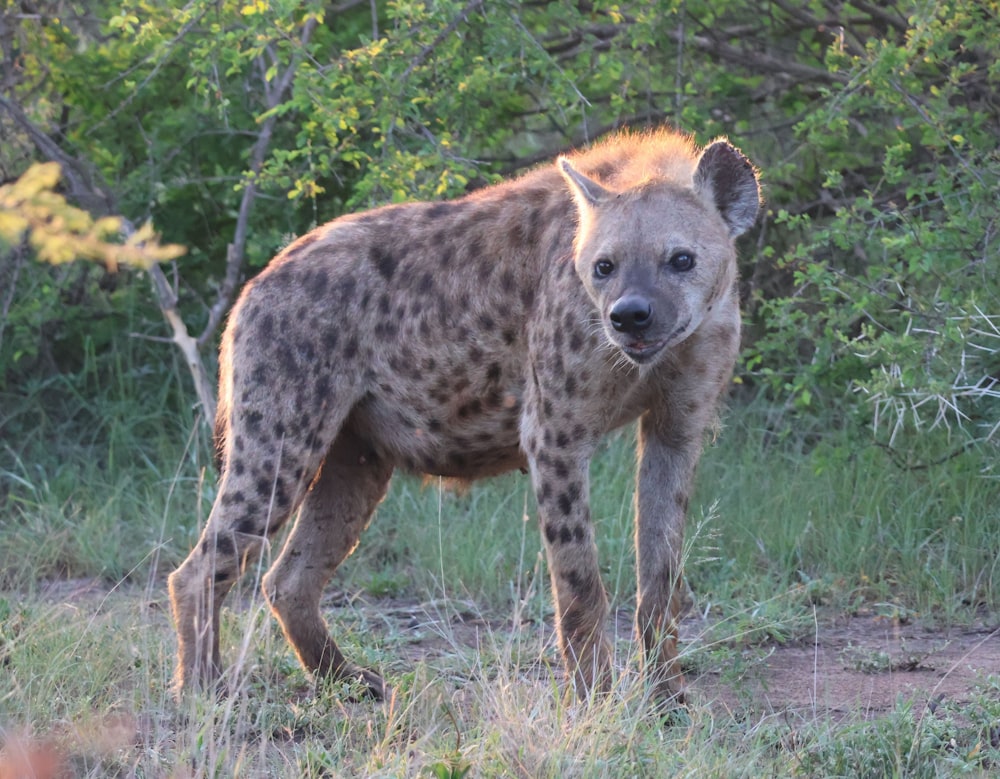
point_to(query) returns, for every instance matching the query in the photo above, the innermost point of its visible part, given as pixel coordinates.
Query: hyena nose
(631, 314)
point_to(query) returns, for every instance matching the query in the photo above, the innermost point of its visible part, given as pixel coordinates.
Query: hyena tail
(219, 438)
(220, 433)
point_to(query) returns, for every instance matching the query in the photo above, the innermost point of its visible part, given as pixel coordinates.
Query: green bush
(891, 283)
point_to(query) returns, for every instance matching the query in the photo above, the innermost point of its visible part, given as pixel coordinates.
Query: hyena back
(511, 328)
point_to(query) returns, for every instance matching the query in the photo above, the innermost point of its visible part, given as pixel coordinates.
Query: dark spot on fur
(509, 336)
(258, 375)
(229, 498)
(575, 341)
(493, 399)
(383, 261)
(579, 534)
(565, 506)
(265, 487)
(438, 210)
(221, 576)
(570, 386)
(486, 322)
(223, 546)
(252, 419)
(321, 392)
(351, 349)
(267, 326)
(550, 533)
(386, 329)
(562, 440)
(344, 289)
(318, 285)
(573, 579)
(471, 408)
(248, 527)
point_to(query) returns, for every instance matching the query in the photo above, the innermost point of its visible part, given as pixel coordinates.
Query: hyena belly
(464, 439)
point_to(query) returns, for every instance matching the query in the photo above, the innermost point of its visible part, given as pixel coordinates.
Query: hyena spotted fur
(511, 328)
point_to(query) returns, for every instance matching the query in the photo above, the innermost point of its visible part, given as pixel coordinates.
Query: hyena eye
(682, 262)
(603, 268)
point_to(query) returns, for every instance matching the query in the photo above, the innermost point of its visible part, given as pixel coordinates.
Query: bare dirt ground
(860, 665)
(864, 666)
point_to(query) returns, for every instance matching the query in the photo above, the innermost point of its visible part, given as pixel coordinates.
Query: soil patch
(857, 666)
(861, 666)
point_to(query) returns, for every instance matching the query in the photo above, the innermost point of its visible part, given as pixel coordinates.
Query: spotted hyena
(511, 328)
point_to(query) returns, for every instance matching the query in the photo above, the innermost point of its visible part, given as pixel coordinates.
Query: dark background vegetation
(870, 285)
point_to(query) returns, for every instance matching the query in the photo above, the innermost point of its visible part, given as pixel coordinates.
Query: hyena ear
(587, 192)
(728, 179)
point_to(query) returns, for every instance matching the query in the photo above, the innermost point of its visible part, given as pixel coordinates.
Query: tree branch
(761, 62)
(425, 52)
(235, 251)
(167, 298)
(87, 191)
(82, 186)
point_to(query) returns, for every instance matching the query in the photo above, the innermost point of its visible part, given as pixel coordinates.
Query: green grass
(88, 681)
(782, 527)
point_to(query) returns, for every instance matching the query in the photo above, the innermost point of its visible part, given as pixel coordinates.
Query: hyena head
(655, 257)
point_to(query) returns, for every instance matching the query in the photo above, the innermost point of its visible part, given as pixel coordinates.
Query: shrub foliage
(869, 287)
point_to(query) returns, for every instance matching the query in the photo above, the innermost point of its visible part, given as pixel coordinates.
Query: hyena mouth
(642, 351)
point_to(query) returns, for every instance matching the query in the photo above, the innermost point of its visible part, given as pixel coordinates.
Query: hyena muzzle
(511, 328)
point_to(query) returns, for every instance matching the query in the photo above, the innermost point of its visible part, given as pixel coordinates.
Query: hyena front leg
(337, 508)
(667, 459)
(560, 477)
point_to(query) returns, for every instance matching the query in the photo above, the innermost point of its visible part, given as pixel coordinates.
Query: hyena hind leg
(337, 508)
(258, 492)
(200, 585)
